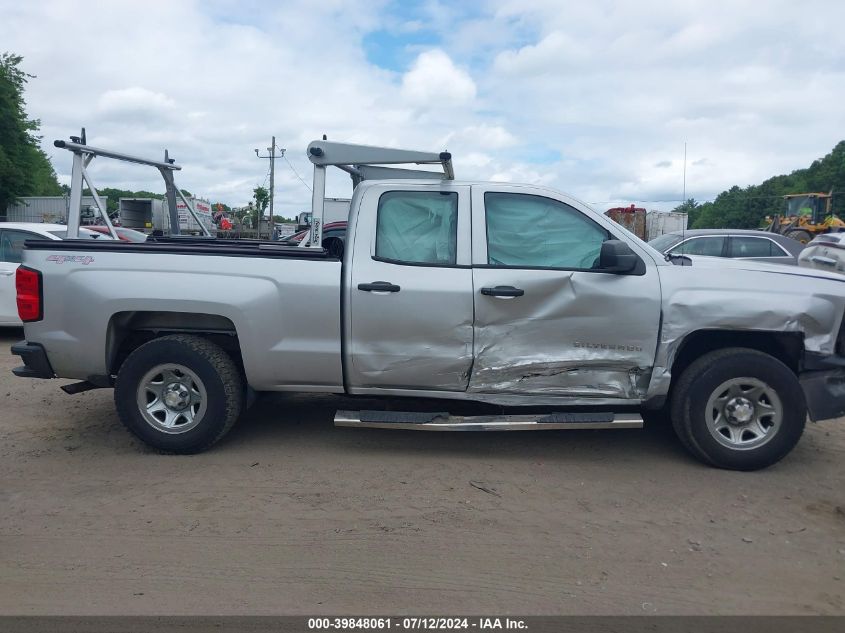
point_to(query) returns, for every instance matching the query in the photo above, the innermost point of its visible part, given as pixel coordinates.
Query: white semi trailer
(150, 214)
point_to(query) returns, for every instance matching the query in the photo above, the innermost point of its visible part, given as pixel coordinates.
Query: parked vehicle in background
(334, 238)
(807, 215)
(12, 238)
(123, 234)
(758, 246)
(825, 252)
(334, 210)
(506, 294)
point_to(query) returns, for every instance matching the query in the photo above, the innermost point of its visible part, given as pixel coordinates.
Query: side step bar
(443, 421)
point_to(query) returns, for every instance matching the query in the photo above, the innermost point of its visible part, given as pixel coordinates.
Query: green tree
(747, 208)
(262, 198)
(691, 208)
(25, 169)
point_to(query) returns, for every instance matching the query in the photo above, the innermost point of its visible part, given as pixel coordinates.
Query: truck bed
(185, 246)
(279, 304)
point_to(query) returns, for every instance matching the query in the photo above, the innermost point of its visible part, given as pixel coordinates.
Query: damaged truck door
(409, 289)
(549, 319)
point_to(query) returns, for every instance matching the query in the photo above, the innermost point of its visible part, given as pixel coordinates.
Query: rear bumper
(35, 361)
(823, 382)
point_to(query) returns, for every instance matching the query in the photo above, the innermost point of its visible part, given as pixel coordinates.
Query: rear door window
(749, 246)
(417, 227)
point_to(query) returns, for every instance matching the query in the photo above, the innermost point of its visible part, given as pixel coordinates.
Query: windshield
(664, 242)
(801, 205)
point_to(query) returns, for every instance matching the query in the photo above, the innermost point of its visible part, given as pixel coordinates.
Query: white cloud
(435, 81)
(135, 102)
(556, 49)
(593, 98)
(483, 136)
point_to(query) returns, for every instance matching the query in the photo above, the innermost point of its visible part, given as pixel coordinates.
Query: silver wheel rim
(171, 398)
(743, 413)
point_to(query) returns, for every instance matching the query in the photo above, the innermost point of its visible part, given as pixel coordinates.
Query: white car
(825, 252)
(12, 238)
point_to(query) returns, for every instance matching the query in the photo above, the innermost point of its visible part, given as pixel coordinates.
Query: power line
(295, 173)
(744, 197)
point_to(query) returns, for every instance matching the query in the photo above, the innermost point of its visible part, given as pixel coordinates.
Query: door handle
(7, 273)
(826, 261)
(379, 286)
(503, 291)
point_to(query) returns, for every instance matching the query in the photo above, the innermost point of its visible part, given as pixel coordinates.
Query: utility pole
(271, 154)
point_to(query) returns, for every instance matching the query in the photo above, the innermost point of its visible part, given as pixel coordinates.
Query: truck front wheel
(179, 393)
(738, 409)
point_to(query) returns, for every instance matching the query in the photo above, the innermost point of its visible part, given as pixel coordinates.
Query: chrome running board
(443, 421)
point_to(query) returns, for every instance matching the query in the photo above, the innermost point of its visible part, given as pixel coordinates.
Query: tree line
(747, 208)
(25, 170)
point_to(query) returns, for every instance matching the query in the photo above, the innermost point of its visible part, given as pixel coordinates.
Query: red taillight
(28, 286)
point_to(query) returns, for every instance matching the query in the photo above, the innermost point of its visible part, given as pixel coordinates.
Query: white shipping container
(658, 223)
(151, 214)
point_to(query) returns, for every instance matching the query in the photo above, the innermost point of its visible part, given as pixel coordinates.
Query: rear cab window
(417, 227)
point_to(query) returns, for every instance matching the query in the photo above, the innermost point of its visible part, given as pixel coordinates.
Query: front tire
(738, 409)
(800, 235)
(179, 393)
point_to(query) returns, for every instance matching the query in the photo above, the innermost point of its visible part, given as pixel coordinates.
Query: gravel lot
(290, 515)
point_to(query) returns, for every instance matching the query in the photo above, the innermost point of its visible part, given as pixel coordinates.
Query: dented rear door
(409, 289)
(546, 322)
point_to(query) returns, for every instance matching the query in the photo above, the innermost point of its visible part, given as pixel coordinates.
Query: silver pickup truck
(512, 295)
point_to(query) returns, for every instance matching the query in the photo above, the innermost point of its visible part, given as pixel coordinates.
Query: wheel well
(787, 347)
(129, 330)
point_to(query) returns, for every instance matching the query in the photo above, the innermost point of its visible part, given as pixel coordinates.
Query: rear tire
(738, 409)
(179, 393)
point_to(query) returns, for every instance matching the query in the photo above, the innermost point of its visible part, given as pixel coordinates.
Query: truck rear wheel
(179, 393)
(738, 409)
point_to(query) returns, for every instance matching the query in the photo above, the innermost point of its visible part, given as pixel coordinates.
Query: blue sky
(596, 99)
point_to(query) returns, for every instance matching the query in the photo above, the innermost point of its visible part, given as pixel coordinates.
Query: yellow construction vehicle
(807, 215)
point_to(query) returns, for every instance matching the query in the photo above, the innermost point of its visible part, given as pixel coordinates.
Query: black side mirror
(617, 257)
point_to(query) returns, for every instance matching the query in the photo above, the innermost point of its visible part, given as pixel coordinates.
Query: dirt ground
(288, 515)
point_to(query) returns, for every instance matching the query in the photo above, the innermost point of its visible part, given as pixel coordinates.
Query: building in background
(50, 209)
